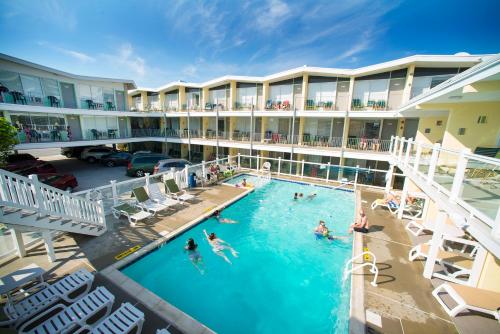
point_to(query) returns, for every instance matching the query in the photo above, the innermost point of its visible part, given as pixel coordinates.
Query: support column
(263, 127)
(404, 196)
(204, 97)
(265, 94)
(162, 100)
(204, 126)
(302, 122)
(305, 88)
(144, 100)
(182, 98)
(17, 239)
(207, 150)
(49, 247)
(232, 126)
(232, 95)
(298, 170)
(437, 237)
(408, 84)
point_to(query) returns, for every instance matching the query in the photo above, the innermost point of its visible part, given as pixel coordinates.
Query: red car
(26, 164)
(61, 181)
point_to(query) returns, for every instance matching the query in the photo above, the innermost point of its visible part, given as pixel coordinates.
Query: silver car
(92, 154)
(166, 165)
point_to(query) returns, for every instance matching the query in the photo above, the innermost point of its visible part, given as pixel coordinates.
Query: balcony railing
(320, 105)
(320, 141)
(469, 180)
(358, 104)
(363, 144)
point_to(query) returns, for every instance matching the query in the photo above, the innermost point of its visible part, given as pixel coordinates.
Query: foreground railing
(28, 193)
(469, 180)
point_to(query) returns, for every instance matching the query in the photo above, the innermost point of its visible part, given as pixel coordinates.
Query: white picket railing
(28, 193)
(470, 180)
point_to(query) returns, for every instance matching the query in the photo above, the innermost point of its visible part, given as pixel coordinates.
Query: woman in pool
(219, 245)
(322, 231)
(192, 249)
(223, 220)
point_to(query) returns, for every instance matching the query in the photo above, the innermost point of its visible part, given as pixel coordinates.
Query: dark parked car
(116, 159)
(143, 163)
(60, 181)
(26, 164)
(73, 152)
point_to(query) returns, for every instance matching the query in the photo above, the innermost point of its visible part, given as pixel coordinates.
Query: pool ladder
(372, 264)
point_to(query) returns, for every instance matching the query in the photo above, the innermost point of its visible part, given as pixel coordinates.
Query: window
(427, 130)
(439, 123)
(120, 100)
(51, 88)
(281, 93)
(461, 131)
(172, 101)
(322, 92)
(481, 120)
(32, 89)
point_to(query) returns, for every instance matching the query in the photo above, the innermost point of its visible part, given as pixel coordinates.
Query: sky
(155, 42)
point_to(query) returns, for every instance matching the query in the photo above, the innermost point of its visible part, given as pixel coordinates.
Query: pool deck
(403, 298)
(402, 302)
(96, 253)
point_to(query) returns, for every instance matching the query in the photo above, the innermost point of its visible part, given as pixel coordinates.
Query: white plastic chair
(63, 289)
(69, 316)
(156, 195)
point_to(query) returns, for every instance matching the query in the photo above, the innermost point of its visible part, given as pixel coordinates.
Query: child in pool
(217, 215)
(192, 249)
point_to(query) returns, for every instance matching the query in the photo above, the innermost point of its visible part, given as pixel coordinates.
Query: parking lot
(88, 175)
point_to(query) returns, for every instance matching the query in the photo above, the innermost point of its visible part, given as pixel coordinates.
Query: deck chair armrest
(41, 315)
(461, 304)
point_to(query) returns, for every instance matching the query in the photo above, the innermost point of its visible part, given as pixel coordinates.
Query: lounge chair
(416, 228)
(380, 202)
(65, 318)
(132, 213)
(175, 192)
(68, 289)
(156, 195)
(460, 262)
(414, 211)
(468, 298)
(121, 321)
(146, 203)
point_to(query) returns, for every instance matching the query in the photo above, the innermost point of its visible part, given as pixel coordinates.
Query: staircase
(27, 204)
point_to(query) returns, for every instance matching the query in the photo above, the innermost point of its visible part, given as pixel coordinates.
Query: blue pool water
(284, 280)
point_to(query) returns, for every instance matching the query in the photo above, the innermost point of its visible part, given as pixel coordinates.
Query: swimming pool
(284, 280)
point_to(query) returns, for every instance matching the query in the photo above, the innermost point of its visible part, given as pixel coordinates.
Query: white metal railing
(469, 180)
(372, 264)
(28, 194)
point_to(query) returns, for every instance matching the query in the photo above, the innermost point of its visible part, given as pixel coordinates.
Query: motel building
(424, 129)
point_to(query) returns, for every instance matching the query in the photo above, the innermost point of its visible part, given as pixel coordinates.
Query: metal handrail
(372, 264)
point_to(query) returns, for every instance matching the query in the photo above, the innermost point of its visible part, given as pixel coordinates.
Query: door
(411, 127)
(68, 95)
(76, 130)
(396, 88)
(389, 128)
(123, 126)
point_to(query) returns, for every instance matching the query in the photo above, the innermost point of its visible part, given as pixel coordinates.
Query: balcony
(312, 104)
(372, 145)
(358, 104)
(278, 105)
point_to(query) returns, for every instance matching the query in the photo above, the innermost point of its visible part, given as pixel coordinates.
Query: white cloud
(128, 59)
(82, 57)
(190, 71)
(271, 15)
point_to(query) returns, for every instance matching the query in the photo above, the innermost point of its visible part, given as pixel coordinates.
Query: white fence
(469, 180)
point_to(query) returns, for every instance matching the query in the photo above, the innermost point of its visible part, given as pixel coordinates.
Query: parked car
(73, 152)
(167, 164)
(143, 163)
(92, 154)
(60, 181)
(116, 159)
(26, 164)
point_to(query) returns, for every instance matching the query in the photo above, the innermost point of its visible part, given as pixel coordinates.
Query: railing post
(328, 171)
(401, 146)
(114, 192)
(279, 165)
(302, 171)
(258, 162)
(437, 237)
(388, 178)
(408, 151)
(356, 176)
(417, 157)
(146, 175)
(495, 232)
(239, 161)
(391, 145)
(186, 176)
(433, 162)
(229, 159)
(39, 198)
(459, 175)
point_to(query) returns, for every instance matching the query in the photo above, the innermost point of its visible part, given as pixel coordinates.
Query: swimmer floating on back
(219, 245)
(223, 220)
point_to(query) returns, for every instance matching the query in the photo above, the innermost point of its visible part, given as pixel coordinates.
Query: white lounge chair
(132, 213)
(176, 193)
(416, 228)
(70, 316)
(122, 321)
(460, 262)
(146, 203)
(68, 289)
(156, 195)
(380, 202)
(468, 298)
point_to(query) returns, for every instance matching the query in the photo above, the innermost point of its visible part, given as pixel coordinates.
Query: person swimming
(322, 231)
(219, 245)
(296, 196)
(217, 215)
(311, 196)
(192, 249)
(244, 183)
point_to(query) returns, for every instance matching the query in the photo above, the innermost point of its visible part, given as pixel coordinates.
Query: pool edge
(162, 308)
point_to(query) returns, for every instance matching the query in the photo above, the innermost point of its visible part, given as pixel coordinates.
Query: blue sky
(155, 42)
